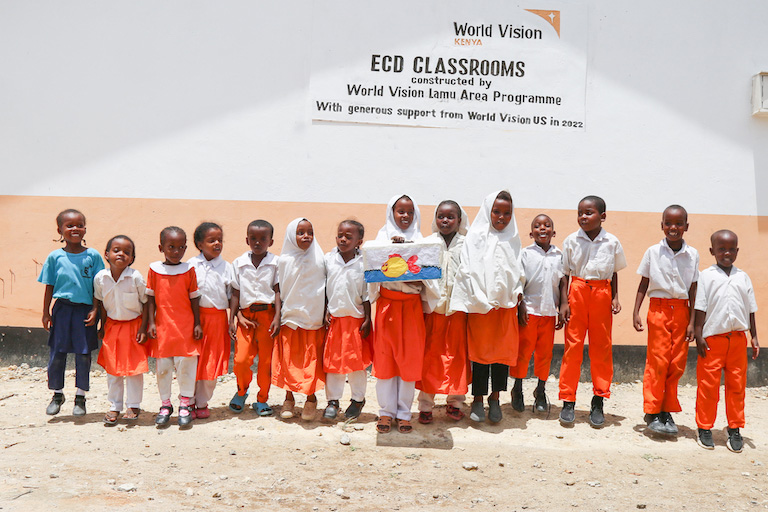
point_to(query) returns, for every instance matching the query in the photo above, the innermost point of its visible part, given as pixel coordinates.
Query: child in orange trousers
(670, 270)
(725, 309)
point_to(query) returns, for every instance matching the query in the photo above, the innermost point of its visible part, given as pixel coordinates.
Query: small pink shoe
(202, 413)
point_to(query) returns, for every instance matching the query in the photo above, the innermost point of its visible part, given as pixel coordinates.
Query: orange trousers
(252, 343)
(590, 303)
(537, 337)
(666, 355)
(726, 352)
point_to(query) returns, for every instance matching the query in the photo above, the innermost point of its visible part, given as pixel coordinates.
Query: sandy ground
(527, 462)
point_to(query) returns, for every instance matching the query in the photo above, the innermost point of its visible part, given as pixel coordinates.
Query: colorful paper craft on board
(413, 261)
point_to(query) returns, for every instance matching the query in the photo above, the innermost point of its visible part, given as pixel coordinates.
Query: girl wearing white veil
(446, 364)
(297, 358)
(489, 286)
(399, 332)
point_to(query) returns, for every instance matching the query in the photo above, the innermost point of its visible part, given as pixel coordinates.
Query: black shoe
(656, 424)
(186, 420)
(568, 414)
(55, 406)
(735, 443)
(705, 439)
(517, 400)
(477, 411)
(354, 409)
(164, 416)
(669, 423)
(494, 411)
(540, 401)
(332, 410)
(596, 416)
(79, 409)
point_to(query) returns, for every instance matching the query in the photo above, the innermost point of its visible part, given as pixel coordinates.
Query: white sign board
(452, 64)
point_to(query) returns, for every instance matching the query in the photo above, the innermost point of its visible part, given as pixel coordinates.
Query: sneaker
(656, 425)
(477, 413)
(79, 409)
(55, 406)
(354, 409)
(734, 443)
(518, 403)
(494, 411)
(331, 410)
(669, 423)
(568, 414)
(540, 401)
(596, 416)
(704, 439)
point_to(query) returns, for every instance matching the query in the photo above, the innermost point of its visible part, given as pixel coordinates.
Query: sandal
(185, 420)
(404, 426)
(425, 418)
(202, 413)
(384, 425)
(132, 414)
(454, 413)
(111, 417)
(262, 408)
(237, 404)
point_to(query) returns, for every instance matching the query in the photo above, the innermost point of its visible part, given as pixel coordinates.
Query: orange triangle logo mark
(552, 17)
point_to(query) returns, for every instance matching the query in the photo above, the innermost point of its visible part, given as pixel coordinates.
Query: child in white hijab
(297, 359)
(399, 332)
(489, 286)
(446, 364)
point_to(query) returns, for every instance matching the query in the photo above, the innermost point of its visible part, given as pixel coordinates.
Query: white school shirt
(345, 285)
(543, 271)
(123, 299)
(670, 274)
(594, 259)
(727, 300)
(256, 285)
(449, 263)
(214, 280)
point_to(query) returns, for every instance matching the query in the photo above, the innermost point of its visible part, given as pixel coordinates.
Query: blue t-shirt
(72, 274)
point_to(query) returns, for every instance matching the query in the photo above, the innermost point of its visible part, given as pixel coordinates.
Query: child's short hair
(543, 215)
(121, 237)
(675, 207)
(356, 224)
(60, 216)
(260, 223)
(599, 202)
(202, 229)
(504, 196)
(721, 232)
(454, 204)
(169, 230)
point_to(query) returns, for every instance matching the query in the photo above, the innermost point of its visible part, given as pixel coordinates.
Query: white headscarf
(302, 282)
(463, 223)
(489, 275)
(391, 228)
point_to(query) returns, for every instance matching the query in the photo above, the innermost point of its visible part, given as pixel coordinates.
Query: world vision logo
(552, 17)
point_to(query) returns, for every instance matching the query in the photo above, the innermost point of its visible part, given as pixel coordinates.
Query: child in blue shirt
(68, 277)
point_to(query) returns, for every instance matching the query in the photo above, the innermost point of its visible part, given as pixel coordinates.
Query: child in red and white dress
(174, 324)
(347, 350)
(446, 363)
(214, 280)
(120, 295)
(297, 357)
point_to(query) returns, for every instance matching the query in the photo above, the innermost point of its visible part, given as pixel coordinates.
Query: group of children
(306, 317)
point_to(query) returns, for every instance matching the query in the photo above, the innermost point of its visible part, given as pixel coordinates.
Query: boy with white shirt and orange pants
(591, 257)
(725, 310)
(669, 273)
